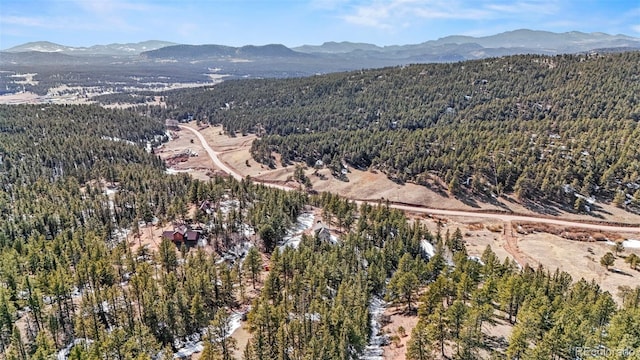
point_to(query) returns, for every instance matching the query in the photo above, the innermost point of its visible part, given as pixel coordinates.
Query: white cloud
(539, 7)
(23, 21)
(43, 22)
(636, 28)
(375, 15)
(392, 13)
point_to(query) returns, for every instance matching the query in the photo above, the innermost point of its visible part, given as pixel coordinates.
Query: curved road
(632, 228)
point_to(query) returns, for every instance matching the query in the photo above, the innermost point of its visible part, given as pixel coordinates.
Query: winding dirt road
(630, 228)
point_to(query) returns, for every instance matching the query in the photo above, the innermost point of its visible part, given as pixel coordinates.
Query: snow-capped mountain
(110, 49)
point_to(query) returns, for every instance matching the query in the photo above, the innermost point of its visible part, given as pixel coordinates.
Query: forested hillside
(66, 273)
(558, 129)
(74, 285)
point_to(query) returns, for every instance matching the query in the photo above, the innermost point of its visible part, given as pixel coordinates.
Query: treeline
(546, 128)
(123, 98)
(95, 72)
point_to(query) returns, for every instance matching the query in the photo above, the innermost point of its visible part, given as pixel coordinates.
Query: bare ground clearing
(374, 185)
(580, 259)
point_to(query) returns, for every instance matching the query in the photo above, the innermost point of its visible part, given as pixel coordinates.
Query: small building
(172, 124)
(183, 234)
(321, 231)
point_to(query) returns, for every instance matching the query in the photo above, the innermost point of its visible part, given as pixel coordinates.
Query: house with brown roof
(183, 234)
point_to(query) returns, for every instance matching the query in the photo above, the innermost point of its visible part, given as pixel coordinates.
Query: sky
(299, 22)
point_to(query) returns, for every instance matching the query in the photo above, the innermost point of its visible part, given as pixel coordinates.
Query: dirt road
(630, 228)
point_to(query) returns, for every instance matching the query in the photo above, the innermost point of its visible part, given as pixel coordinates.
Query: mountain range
(450, 48)
(109, 50)
(154, 61)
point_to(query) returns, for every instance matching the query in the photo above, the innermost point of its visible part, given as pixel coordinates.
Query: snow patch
(428, 248)
(294, 234)
(227, 205)
(193, 344)
(631, 244)
(64, 353)
(237, 252)
(476, 259)
(171, 171)
(291, 241)
(115, 139)
(235, 321)
(373, 350)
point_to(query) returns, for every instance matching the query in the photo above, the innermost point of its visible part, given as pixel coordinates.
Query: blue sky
(298, 22)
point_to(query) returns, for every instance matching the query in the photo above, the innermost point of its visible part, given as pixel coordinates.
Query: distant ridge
(183, 52)
(110, 49)
(328, 57)
(510, 42)
(333, 47)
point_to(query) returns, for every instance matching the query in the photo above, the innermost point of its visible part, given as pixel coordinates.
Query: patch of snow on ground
(237, 252)
(247, 230)
(631, 244)
(121, 234)
(64, 353)
(373, 350)
(294, 234)
(171, 171)
(193, 343)
(292, 241)
(303, 222)
(476, 259)
(628, 244)
(227, 205)
(235, 321)
(189, 348)
(428, 248)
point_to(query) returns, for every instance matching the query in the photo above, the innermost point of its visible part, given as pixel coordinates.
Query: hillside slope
(559, 129)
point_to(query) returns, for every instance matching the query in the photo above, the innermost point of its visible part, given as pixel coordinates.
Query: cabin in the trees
(172, 124)
(321, 231)
(183, 234)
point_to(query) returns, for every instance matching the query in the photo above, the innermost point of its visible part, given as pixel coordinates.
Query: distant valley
(153, 64)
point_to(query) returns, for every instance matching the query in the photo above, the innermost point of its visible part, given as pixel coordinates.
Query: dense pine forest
(79, 185)
(554, 129)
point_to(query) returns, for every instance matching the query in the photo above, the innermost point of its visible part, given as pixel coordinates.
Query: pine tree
(197, 313)
(419, 346)
(633, 260)
(518, 342)
(219, 335)
(619, 199)
(607, 260)
(253, 264)
(167, 255)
